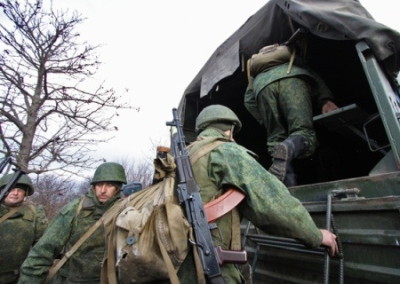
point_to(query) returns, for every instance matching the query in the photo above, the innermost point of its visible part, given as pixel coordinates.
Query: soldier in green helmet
(70, 226)
(21, 226)
(267, 203)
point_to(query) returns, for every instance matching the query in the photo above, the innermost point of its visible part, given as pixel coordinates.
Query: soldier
(280, 98)
(267, 204)
(81, 263)
(21, 226)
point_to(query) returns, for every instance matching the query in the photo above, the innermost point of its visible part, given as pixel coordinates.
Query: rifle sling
(223, 204)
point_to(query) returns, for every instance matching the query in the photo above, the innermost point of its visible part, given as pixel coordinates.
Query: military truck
(351, 184)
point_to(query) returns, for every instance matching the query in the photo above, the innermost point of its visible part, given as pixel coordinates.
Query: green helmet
(113, 172)
(217, 114)
(24, 182)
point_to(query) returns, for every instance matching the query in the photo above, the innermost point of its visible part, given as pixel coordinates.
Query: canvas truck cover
(327, 21)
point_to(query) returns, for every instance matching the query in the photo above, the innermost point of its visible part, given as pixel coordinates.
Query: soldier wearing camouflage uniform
(21, 230)
(268, 204)
(70, 224)
(282, 102)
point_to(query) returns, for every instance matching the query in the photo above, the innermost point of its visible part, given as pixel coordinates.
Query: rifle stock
(189, 197)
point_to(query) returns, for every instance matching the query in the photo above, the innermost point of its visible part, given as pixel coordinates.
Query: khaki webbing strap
(173, 277)
(204, 150)
(33, 209)
(78, 209)
(110, 260)
(69, 253)
(10, 213)
(236, 243)
(223, 204)
(249, 74)
(291, 61)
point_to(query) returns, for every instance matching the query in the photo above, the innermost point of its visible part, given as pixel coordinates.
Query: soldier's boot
(283, 155)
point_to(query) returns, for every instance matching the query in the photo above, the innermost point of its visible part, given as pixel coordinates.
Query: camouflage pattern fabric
(17, 235)
(267, 200)
(266, 204)
(63, 232)
(283, 103)
(286, 109)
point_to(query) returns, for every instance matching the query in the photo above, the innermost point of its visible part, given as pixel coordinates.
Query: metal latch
(347, 194)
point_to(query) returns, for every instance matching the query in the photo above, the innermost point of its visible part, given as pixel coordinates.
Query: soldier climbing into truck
(280, 96)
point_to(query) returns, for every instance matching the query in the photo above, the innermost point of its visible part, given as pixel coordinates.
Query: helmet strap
(231, 134)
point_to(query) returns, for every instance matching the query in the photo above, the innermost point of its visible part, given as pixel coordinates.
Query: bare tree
(49, 118)
(138, 170)
(142, 170)
(53, 192)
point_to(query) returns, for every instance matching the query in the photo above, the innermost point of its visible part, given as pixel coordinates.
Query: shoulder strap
(236, 236)
(10, 213)
(204, 150)
(32, 208)
(78, 209)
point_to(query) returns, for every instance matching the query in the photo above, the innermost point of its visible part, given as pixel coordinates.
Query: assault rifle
(189, 197)
(12, 182)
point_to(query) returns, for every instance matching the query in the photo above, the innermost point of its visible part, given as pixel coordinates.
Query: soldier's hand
(329, 106)
(329, 240)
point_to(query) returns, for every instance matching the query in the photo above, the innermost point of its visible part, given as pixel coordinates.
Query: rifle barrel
(4, 163)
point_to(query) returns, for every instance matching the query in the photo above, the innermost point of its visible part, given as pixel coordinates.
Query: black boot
(283, 155)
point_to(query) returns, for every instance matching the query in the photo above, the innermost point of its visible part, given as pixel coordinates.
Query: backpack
(268, 57)
(147, 234)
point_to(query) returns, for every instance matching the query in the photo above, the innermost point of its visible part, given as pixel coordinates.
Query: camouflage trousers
(286, 108)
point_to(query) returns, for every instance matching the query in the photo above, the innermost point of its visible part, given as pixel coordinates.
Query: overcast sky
(156, 48)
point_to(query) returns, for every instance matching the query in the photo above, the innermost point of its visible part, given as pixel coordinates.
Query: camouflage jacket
(67, 227)
(17, 235)
(320, 91)
(268, 204)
